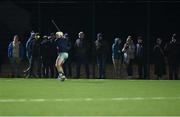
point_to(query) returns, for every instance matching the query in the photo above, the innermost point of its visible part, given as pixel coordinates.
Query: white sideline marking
(37, 100)
(90, 99)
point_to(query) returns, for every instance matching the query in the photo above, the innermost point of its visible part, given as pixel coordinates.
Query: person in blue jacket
(15, 55)
(117, 56)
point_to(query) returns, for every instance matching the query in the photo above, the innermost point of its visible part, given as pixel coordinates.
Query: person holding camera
(129, 54)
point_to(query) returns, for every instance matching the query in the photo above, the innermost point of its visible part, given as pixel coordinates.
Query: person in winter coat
(117, 56)
(15, 55)
(159, 62)
(129, 55)
(101, 54)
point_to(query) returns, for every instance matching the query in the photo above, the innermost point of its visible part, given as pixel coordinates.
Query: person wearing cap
(141, 58)
(129, 55)
(15, 55)
(81, 47)
(159, 61)
(173, 55)
(63, 48)
(101, 53)
(117, 56)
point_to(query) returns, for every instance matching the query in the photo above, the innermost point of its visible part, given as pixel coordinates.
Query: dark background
(150, 19)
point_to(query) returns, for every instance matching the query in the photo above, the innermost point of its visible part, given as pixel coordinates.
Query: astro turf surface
(43, 97)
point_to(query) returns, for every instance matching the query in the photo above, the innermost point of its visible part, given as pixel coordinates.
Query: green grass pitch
(43, 97)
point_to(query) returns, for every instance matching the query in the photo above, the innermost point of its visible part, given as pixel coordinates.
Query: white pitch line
(89, 99)
(13, 100)
(37, 100)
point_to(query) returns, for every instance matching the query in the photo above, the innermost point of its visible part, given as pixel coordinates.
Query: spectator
(29, 51)
(117, 56)
(15, 55)
(141, 58)
(159, 62)
(173, 55)
(101, 53)
(81, 54)
(52, 55)
(28, 43)
(36, 57)
(67, 66)
(45, 45)
(129, 55)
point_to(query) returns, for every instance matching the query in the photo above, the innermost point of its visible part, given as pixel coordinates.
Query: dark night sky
(117, 18)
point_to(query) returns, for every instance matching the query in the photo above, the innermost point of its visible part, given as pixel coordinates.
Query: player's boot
(59, 76)
(63, 78)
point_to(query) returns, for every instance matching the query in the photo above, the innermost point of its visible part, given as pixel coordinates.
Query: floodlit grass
(43, 97)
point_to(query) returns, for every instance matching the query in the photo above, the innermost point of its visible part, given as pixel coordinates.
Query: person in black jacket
(36, 57)
(141, 58)
(67, 66)
(159, 61)
(81, 54)
(29, 51)
(173, 55)
(52, 55)
(101, 53)
(44, 50)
